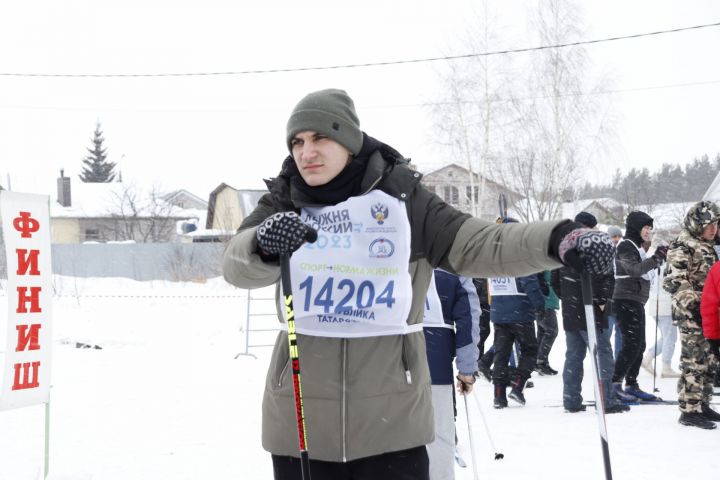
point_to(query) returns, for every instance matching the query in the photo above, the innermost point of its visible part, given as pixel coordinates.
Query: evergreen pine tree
(96, 168)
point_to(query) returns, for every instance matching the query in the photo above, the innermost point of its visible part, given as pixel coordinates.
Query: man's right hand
(282, 233)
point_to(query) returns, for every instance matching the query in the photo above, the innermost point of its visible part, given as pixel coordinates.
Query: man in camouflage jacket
(689, 259)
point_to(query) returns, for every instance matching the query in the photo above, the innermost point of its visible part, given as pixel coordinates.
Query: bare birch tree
(559, 122)
(470, 109)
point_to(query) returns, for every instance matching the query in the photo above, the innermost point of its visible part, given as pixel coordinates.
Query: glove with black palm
(282, 233)
(660, 254)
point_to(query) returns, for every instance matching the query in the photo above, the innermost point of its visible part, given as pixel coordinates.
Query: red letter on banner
(27, 261)
(25, 337)
(26, 383)
(26, 225)
(34, 299)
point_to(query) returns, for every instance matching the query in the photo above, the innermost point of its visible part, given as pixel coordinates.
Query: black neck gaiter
(345, 185)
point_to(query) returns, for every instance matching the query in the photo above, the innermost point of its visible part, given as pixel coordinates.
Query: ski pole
(657, 322)
(295, 362)
(599, 401)
(470, 433)
(498, 455)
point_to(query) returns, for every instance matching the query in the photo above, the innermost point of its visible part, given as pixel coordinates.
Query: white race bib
(433, 316)
(503, 286)
(354, 281)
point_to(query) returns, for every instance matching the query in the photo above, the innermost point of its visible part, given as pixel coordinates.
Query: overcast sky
(197, 132)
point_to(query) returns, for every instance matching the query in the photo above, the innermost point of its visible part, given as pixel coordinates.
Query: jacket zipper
(408, 375)
(344, 394)
(374, 184)
(282, 372)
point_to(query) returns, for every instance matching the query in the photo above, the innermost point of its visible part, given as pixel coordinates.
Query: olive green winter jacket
(358, 399)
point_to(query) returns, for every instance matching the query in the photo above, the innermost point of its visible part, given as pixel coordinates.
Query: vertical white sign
(27, 357)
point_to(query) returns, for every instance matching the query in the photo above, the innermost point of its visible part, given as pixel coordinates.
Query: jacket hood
(634, 223)
(700, 216)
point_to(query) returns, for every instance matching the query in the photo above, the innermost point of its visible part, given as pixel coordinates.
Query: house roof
(105, 200)
(570, 209)
(172, 195)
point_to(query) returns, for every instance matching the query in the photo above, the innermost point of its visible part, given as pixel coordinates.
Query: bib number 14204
(345, 295)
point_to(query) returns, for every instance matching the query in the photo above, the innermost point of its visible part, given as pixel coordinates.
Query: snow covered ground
(165, 399)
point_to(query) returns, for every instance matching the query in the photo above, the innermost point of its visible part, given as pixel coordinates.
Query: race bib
(433, 316)
(503, 286)
(354, 281)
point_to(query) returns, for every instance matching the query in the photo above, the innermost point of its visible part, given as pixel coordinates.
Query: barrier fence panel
(261, 302)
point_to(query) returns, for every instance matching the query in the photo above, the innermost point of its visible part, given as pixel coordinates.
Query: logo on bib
(379, 212)
(381, 248)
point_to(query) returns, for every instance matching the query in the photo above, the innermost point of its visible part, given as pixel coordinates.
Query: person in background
(615, 235)
(451, 326)
(633, 276)
(658, 306)
(709, 310)
(547, 325)
(690, 257)
(513, 306)
(567, 284)
(484, 362)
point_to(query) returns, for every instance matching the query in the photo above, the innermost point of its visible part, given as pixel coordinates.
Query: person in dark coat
(514, 302)
(360, 289)
(634, 271)
(566, 283)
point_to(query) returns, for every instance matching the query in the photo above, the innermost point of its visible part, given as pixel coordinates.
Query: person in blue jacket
(452, 330)
(514, 303)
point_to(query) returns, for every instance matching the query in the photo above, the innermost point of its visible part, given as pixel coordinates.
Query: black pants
(411, 464)
(547, 332)
(631, 321)
(505, 336)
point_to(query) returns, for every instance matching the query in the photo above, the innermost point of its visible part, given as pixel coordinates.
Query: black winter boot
(484, 371)
(696, 419)
(516, 391)
(617, 408)
(500, 400)
(710, 414)
(545, 369)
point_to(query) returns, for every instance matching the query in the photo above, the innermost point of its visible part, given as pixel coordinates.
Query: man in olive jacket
(359, 290)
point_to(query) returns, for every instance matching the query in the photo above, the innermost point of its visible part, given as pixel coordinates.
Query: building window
(451, 195)
(469, 196)
(92, 234)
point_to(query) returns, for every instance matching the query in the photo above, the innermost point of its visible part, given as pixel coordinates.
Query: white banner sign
(25, 361)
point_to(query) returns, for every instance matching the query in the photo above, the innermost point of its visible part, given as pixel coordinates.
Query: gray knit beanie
(330, 112)
(614, 231)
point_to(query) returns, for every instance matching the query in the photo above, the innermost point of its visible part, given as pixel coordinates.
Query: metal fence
(139, 261)
(260, 306)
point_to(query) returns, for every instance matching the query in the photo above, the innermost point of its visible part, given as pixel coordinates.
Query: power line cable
(356, 65)
(369, 107)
